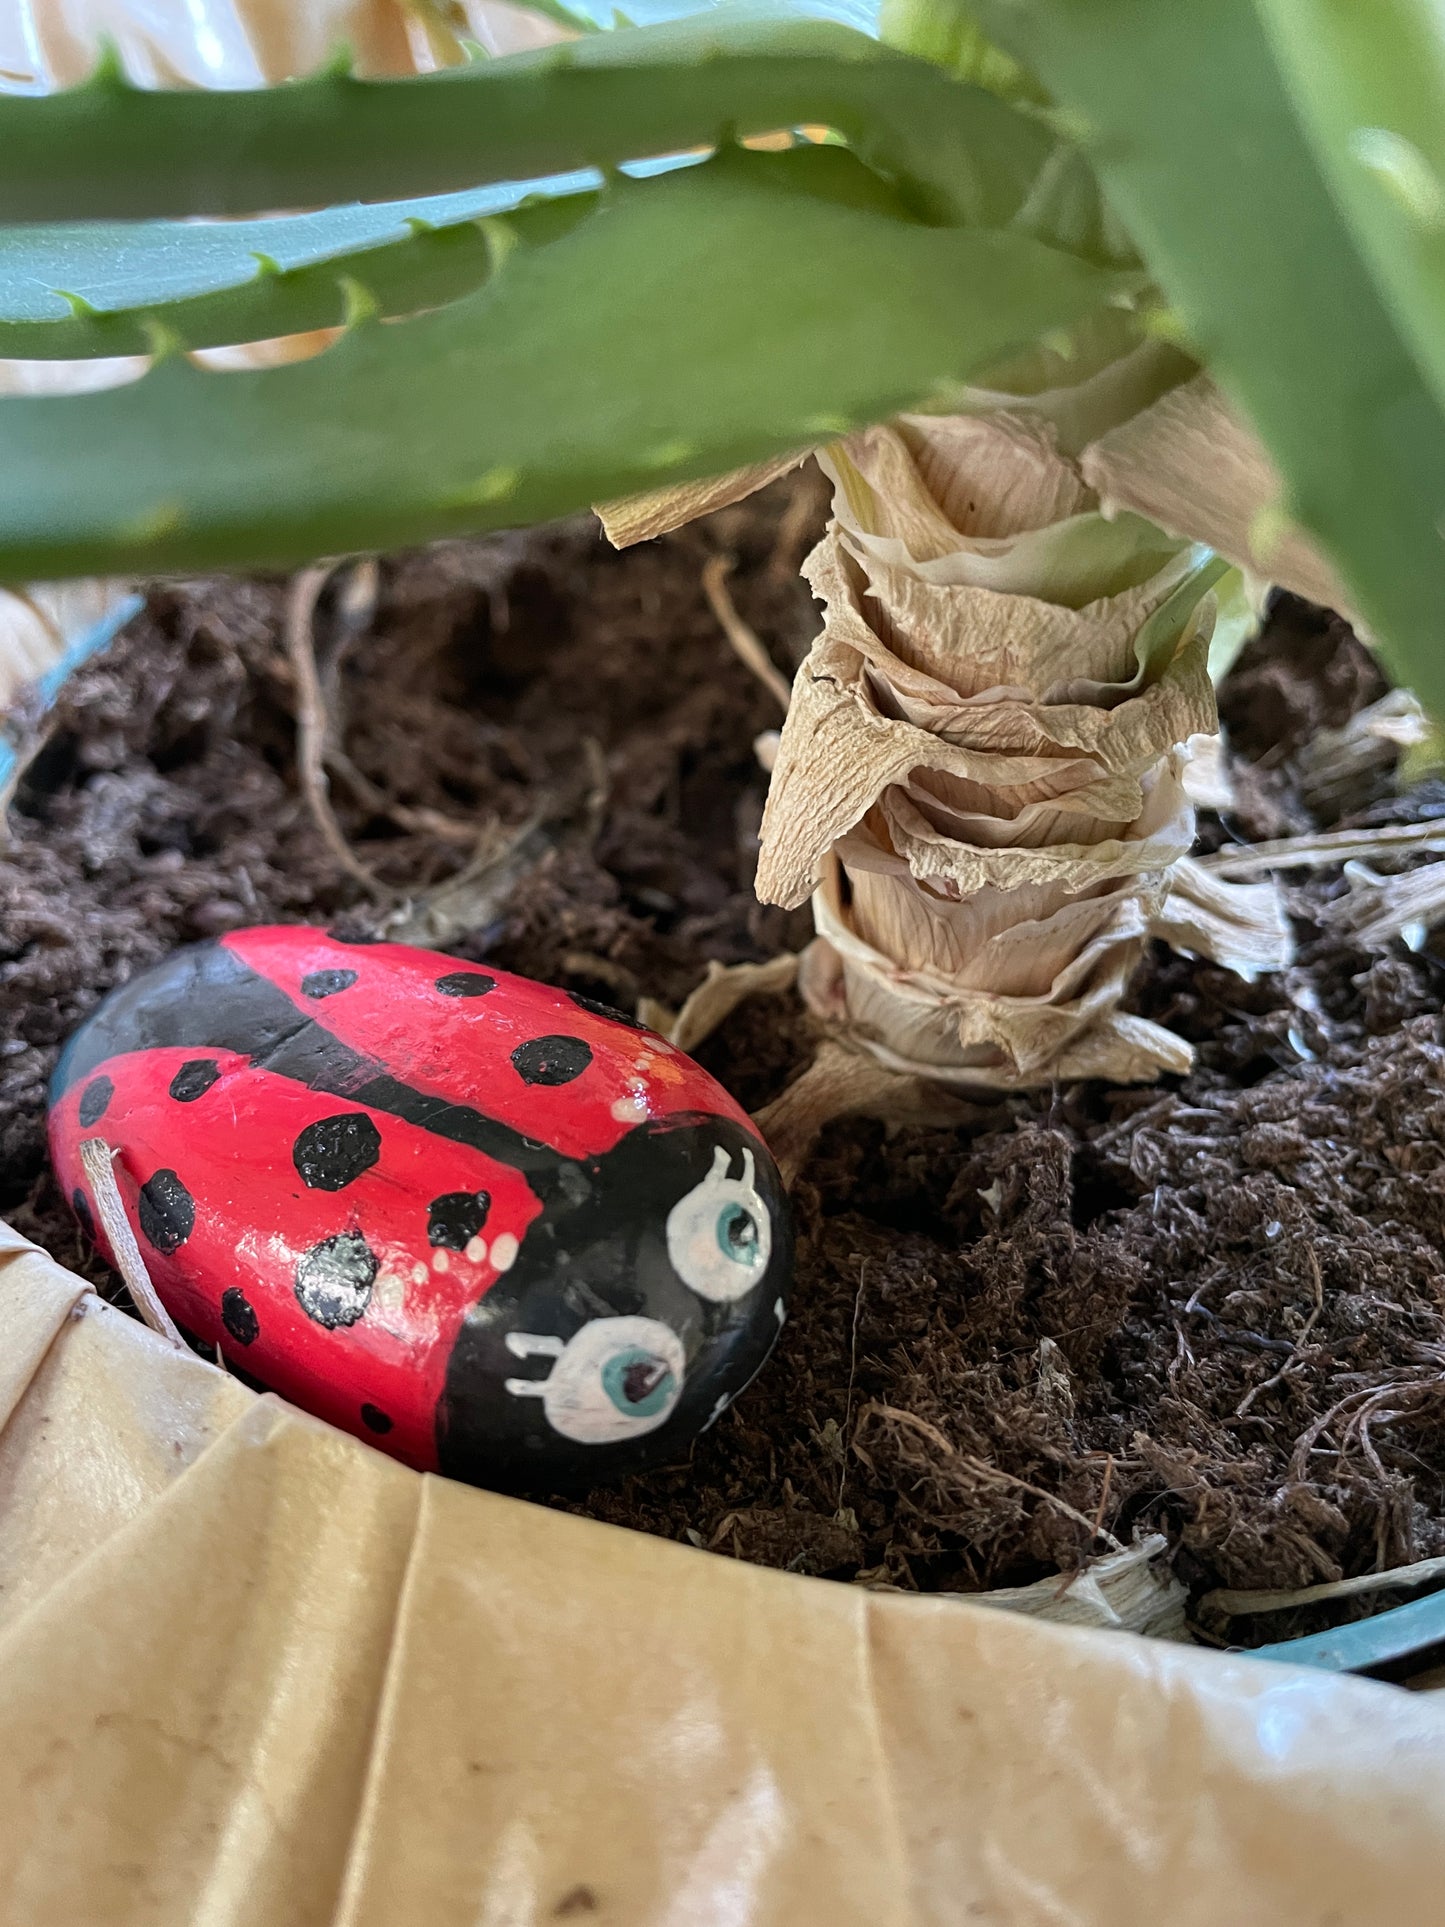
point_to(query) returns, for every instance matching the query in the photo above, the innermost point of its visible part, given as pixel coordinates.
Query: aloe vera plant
(1043, 239)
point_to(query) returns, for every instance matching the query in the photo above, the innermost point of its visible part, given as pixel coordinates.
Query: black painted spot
(334, 1279)
(238, 1315)
(326, 983)
(80, 1205)
(599, 1009)
(94, 1100)
(466, 983)
(334, 1151)
(456, 1217)
(551, 1060)
(194, 1079)
(204, 998)
(167, 1211)
(374, 1419)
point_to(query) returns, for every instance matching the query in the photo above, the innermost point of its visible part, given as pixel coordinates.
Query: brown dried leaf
(1190, 464)
(1240, 925)
(638, 518)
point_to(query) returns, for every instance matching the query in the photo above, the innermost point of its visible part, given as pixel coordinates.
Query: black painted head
(642, 1301)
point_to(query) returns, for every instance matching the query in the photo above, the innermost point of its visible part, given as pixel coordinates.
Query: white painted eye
(616, 1378)
(720, 1236)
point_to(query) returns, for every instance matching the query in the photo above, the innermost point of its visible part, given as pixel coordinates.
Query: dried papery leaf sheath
(981, 776)
(1190, 464)
(46, 45)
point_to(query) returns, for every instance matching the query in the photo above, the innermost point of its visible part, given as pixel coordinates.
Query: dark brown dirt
(1215, 1307)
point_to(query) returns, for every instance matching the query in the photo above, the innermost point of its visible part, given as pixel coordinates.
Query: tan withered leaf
(1189, 463)
(638, 518)
(254, 43)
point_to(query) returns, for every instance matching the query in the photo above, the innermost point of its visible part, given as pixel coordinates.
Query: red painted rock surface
(494, 1228)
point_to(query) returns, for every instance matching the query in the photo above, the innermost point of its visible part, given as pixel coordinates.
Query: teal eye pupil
(638, 1383)
(737, 1234)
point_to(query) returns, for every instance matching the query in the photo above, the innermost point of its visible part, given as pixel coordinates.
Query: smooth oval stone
(492, 1228)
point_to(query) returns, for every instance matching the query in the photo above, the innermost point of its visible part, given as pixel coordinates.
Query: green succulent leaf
(120, 279)
(106, 150)
(947, 32)
(1369, 82)
(572, 18)
(1193, 127)
(690, 324)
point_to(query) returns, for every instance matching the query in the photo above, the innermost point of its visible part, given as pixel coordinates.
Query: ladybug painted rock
(494, 1228)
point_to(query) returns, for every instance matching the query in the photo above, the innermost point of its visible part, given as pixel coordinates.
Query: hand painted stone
(496, 1229)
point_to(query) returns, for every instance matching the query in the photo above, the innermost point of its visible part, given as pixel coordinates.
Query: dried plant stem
(746, 645)
(311, 726)
(1104, 1495)
(843, 1082)
(97, 1158)
(852, 1379)
(1320, 851)
(722, 989)
(1365, 1405)
(1293, 1362)
(1225, 1604)
(423, 822)
(980, 1468)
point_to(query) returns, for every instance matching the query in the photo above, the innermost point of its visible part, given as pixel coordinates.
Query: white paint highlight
(388, 1293)
(533, 1345)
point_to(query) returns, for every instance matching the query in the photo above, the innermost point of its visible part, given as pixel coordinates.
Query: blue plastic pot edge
(1367, 1642)
(88, 643)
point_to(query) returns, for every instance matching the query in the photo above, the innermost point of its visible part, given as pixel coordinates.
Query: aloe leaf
(1369, 82)
(108, 150)
(427, 269)
(692, 324)
(1190, 123)
(565, 16)
(113, 266)
(947, 32)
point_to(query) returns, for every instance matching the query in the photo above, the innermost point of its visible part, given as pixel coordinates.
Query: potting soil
(1213, 1307)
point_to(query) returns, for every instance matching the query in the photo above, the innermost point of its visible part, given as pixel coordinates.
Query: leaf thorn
(109, 69)
(162, 343)
(361, 305)
(340, 63)
(82, 309)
